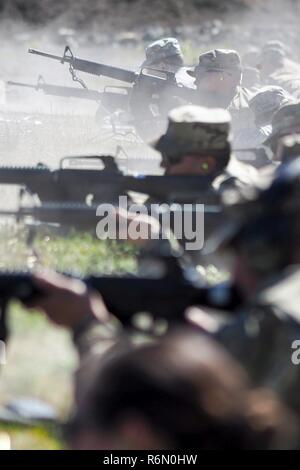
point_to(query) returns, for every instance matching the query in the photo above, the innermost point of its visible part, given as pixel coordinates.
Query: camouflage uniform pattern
(267, 101)
(162, 50)
(195, 130)
(217, 60)
(285, 121)
(225, 60)
(286, 73)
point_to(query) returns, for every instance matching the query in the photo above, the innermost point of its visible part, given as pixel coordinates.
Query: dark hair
(188, 390)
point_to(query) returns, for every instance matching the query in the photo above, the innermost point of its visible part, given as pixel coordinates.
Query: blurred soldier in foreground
(183, 392)
(263, 241)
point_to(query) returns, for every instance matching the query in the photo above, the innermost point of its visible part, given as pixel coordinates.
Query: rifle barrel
(24, 85)
(92, 68)
(49, 56)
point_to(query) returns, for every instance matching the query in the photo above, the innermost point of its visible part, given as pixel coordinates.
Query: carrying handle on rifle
(156, 73)
(108, 162)
(109, 88)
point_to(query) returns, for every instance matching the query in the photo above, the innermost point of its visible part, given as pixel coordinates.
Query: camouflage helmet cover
(195, 130)
(161, 50)
(285, 121)
(268, 100)
(217, 60)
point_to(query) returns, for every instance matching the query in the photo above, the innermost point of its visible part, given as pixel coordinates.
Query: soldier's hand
(67, 302)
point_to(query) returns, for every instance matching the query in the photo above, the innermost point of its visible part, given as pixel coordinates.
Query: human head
(197, 141)
(271, 58)
(219, 71)
(164, 54)
(285, 121)
(182, 392)
(266, 102)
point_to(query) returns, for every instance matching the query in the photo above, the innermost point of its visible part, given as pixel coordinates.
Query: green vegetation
(40, 357)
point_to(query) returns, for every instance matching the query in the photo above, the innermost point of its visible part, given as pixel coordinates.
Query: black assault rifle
(74, 184)
(149, 79)
(164, 297)
(112, 97)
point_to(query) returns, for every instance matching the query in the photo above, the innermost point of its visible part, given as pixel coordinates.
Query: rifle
(110, 97)
(84, 217)
(154, 80)
(75, 184)
(165, 297)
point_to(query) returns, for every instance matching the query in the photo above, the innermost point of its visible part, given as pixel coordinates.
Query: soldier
(277, 69)
(263, 241)
(289, 148)
(218, 78)
(197, 142)
(286, 121)
(182, 392)
(150, 112)
(264, 104)
(166, 54)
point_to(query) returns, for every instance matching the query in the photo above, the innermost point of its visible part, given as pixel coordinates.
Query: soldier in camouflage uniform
(277, 69)
(289, 148)
(264, 104)
(197, 142)
(264, 242)
(166, 54)
(218, 78)
(150, 112)
(286, 121)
